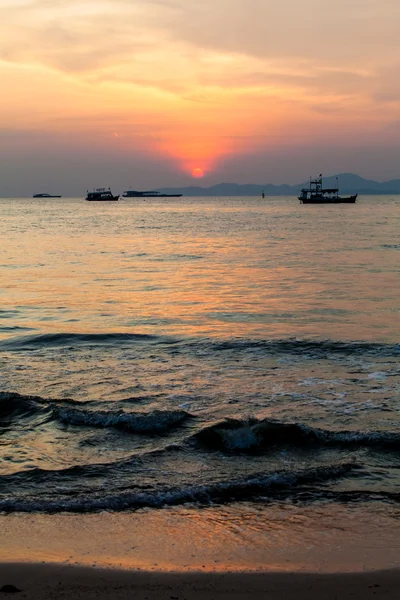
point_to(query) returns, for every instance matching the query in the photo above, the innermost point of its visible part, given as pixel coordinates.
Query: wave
(230, 435)
(258, 485)
(157, 421)
(293, 346)
(313, 348)
(13, 404)
(52, 340)
(253, 435)
(71, 412)
(81, 475)
(17, 405)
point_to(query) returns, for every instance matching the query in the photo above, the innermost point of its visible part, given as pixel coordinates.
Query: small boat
(46, 196)
(317, 194)
(148, 194)
(101, 195)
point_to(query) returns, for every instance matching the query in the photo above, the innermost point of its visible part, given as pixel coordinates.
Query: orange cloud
(199, 82)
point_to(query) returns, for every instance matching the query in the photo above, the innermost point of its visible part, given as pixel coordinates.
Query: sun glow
(197, 173)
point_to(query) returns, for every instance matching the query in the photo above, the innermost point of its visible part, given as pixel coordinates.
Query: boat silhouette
(317, 194)
(101, 195)
(148, 194)
(46, 196)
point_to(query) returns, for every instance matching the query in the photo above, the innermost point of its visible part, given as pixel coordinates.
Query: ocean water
(202, 352)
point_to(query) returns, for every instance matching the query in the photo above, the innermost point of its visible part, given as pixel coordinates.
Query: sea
(226, 352)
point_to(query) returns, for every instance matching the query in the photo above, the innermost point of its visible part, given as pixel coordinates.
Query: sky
(153, 93)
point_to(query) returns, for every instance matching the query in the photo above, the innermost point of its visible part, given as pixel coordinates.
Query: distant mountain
(349, 183)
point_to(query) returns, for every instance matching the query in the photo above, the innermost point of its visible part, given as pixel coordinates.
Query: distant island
(348, 183)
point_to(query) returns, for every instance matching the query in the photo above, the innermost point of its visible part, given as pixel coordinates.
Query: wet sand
(187, 554)
(50, 581)
(324, 539)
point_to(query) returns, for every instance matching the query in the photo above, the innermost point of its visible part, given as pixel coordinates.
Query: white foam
(378, 375)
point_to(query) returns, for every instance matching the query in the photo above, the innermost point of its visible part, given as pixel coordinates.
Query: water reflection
(202, 268)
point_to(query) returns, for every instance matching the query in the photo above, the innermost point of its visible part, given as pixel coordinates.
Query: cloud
(89, 35)
(328, 59)
(316, 45)
(258, 72)
(85, 37)
(287, 28)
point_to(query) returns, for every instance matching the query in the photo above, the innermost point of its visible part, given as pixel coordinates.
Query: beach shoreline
(190, 554)
(241, 538)
(47, 581)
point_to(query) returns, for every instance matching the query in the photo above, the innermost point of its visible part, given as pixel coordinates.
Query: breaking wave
(254, 435)
(258, 485)
(157, 421)
(70, 412)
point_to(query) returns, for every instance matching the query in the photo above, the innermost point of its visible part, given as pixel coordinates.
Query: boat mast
(318, 184)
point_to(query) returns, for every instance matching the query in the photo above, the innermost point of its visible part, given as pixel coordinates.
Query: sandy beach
(188, 554)
(217, 539)
(49, 581)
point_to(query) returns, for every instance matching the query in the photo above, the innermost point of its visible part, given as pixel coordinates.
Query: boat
(317, 194)
(46, 196)
(148, 194)
(101, 195)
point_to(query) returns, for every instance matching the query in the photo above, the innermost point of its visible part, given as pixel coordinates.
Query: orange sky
(155, 89)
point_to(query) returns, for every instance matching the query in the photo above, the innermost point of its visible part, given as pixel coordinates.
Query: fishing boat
(46, 196)
(148, 194)
(101, 195)
(317, 194)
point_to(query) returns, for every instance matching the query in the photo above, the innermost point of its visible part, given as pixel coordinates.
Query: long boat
(148, 194)
(317, 194)
(101, 195)
(45, 196)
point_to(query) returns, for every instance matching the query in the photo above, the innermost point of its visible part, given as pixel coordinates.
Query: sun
(197, 173)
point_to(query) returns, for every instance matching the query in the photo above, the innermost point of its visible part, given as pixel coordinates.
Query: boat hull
(102, 199)
(151, 196)
(338, 200)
